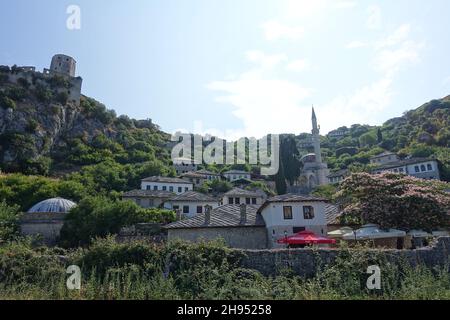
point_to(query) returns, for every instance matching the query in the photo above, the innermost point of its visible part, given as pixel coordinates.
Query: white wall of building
(277, 226)
(236, 176)
(191, 205)
(177, 188)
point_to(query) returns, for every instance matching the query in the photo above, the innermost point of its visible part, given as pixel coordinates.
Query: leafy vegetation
(202, 271)
(100, 216)
(394, 201)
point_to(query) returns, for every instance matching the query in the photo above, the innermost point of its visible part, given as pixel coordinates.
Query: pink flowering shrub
(394, 201)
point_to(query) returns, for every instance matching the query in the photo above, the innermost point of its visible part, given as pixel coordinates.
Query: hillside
(43, 133)
(423, 132)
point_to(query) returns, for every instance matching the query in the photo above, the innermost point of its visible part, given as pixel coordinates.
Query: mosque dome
(310, 157)
(54, 205)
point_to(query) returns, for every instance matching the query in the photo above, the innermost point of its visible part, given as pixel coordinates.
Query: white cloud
(356, 44)
(297, 65)
(374, 19)
(275, 30)
(264, 103)
(399, 35)
(358, 107)
(396, 51)
(263, 60)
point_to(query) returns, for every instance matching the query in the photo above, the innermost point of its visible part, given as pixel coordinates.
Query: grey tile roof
(206, 172)
(291, 197)
(236, 172)
(164, 180)
(148, 194)
(224, 216)
(402, 163)
(339, 173)
(238, 192)
(332, 214)
(193, 196)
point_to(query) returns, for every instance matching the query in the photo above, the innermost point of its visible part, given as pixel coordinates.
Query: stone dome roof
(310, 157)
(55, 205)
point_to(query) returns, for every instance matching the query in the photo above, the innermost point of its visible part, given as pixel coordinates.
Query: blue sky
(243, 67)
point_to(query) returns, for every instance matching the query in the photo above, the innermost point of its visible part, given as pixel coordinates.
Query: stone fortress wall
(64, 70)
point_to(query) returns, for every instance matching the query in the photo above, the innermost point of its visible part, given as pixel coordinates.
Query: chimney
(178, 214)
(208, 209)
(243, 210)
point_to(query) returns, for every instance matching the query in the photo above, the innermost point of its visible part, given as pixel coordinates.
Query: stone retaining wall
(304, 261)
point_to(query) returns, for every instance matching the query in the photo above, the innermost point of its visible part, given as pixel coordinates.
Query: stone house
(338, 176)
(383, 158)
(198, 178)
(190, 203)
(240, 226)
(148, 198)
(234, 175)
(254, 226)
(184, 165)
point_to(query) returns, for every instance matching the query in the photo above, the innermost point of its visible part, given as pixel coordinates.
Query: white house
(174, 185)
(191, 203)
(422, 168)
(288, 214)
(241, 196)
(234, 175)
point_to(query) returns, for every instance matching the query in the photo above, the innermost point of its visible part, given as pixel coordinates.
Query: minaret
(316, 137)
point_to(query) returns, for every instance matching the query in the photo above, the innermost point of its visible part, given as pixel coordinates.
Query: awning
(372, 231)
(306, 237)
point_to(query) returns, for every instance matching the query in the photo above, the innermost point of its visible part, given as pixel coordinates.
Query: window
(198, 181)
(138, 202)
(287, 212)
(230, 200)
(416, 169)
(253, 200)
(164, 188)
(175, 208)
(429, 167)
(185, 209)
(180, 189)
(237, 200)
(186, 189)
(149, 187)
(422, 168)
(155, 188)
(247, 200)
(171, 189)
(308, 212)
(400, 170)
(199, 209)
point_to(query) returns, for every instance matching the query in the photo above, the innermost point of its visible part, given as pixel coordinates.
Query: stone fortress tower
(63, 64)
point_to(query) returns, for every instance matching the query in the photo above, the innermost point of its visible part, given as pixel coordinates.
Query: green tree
(100, 216)
(394, 201)
(9, 221)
